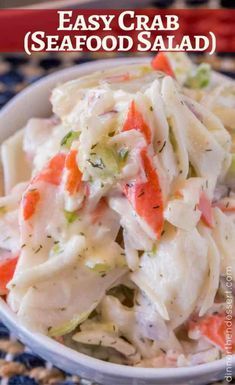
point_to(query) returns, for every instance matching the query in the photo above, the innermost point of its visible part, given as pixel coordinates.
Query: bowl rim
(11, 320)
(48, 343)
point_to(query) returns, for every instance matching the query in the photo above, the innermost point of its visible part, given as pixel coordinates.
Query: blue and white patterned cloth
(19, 366)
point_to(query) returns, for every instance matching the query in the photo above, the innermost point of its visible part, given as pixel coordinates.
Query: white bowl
(34, 102)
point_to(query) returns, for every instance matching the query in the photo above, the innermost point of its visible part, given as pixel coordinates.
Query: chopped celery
(200, 77)
(105, 160)
(71, 216)
(98, 267)
(102, 267)
(154, 249)
(101, 263)
(69, 138)
(123, 154)
(56, 249)
(69, 326)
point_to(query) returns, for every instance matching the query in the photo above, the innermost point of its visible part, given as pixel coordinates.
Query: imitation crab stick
(29, 203)
(213, 327)
(74, 177)
(146, 197)
(52, 173)
(205, 207)
(135, 121)
(7, 269)
(162, 63)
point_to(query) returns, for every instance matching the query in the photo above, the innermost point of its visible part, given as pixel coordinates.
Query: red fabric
(15, 23)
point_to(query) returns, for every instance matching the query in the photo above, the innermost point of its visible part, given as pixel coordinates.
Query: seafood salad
(117, 218)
